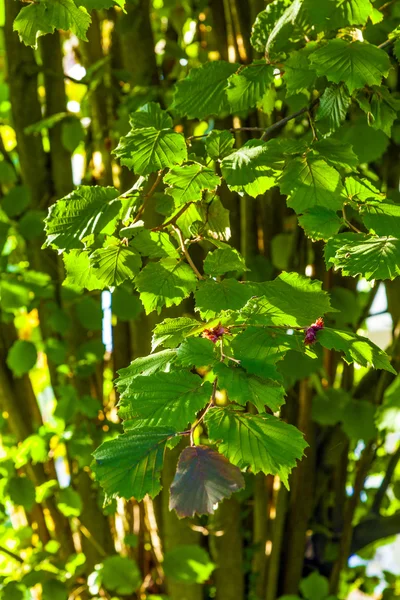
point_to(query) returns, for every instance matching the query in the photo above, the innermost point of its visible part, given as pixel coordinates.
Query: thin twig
(345, 219)
(173, 219)
(186, 253)
(387, 43)
(5, 550)
(311, 121)
(210, 405)
(285, 120)
(149, 194)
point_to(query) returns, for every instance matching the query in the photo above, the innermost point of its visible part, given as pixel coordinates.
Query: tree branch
(380, 494)
(373, 529)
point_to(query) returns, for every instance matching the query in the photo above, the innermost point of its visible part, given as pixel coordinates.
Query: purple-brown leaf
(202, 479)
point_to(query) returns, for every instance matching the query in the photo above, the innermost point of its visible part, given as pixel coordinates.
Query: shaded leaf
(242, 388)
(202, 479)
(219, 144)
(249, 85)
(21, 357)
(197, 352)
(203, 91)
(333, 107)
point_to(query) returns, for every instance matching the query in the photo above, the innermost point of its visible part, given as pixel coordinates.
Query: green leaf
(249, 85)
(72, 134)
(171, 332)
(126, 305)
(16, 201)
(311, 182)
(130, 465)
(189, 181)
(368, 144)
(219, 144)
(21, 357)
(299, 74)
(144, 365)
(121, 575)
(212, 297)
(69, 502)
(89, 313)
(87, 210)
(361, 190)
(388, 414)
(336, 153)
(188, 564)
(100, 4)
(245, 164)
(154, 244)
(333, 107)
(165, 399)
(150, 115)
(355, 348)
(197, 352)
(223, 260)
(288, 17)
(320, 223)
(382, 218)
(260, 349)
(380, 106)
(203, 478)
(369, 256)
(147, 150)
(314, 587)
(21, 491)
(45, 17)
(243, 388)
(115, 264)
(356, 64)
(165, 283)
(80, 271)
(203, 91)
(259, 442)
(291, 299)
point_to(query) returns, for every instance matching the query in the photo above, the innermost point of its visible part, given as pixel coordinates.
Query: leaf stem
(186, 253)
(210, 405)
(173, 219)
(149, 194)
(345, 219)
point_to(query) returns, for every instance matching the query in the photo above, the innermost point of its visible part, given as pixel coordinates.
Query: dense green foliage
(243, 212)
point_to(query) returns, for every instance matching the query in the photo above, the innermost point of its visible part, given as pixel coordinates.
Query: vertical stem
(227, 551)
(302, 494)
(176, 532)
